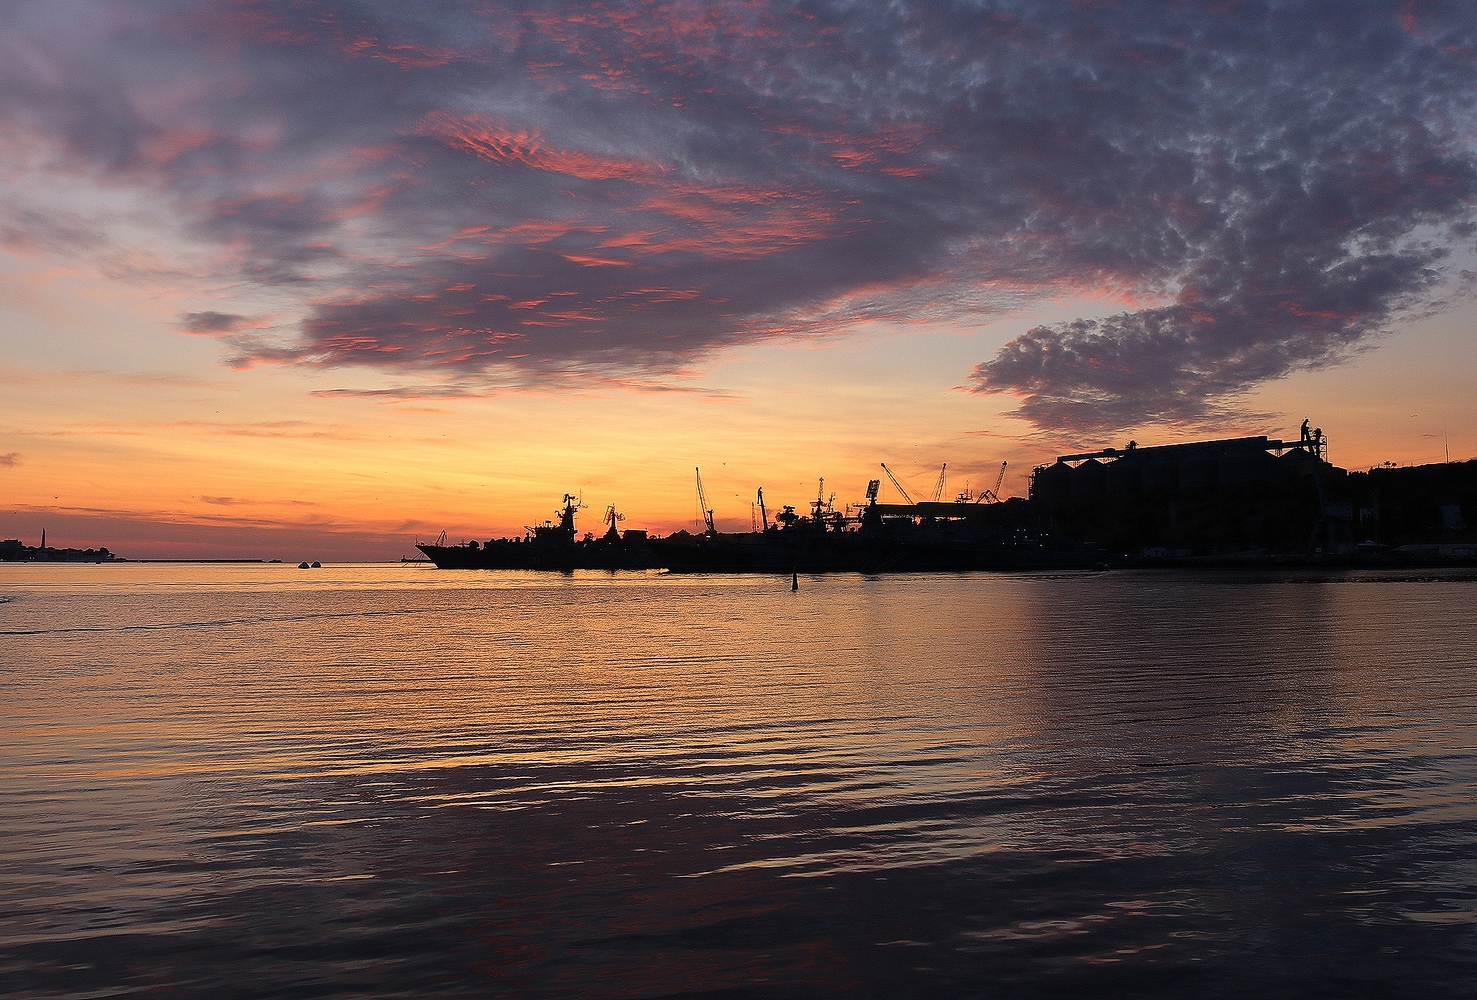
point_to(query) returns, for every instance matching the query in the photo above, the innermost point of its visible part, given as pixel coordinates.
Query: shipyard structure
(1253, 498)
(1175, 469)
(1235, 501)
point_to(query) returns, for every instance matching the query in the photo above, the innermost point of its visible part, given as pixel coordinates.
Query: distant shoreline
(260, 561)
(73, 561)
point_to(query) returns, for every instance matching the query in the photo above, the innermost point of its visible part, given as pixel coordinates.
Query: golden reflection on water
(131, 671)
(177, 733)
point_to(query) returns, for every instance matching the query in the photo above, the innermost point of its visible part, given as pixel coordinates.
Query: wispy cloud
(211, 322)
(620, 188)
(268, 429)
(10, 460)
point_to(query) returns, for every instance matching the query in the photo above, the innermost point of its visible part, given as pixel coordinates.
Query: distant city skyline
(313, 279)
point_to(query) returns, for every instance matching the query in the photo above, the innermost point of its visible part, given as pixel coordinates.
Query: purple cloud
(611, 191)
(211, 322)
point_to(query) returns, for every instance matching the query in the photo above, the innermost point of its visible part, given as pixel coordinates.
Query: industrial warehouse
(1249, 498)
(1197, 467)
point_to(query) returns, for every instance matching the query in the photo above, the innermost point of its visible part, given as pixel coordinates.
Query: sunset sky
(314, 278)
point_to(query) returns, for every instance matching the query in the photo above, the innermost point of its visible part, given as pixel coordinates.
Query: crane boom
(702, 503)
(897, 484)
(938, 487)
(993, 496)
(763, 514)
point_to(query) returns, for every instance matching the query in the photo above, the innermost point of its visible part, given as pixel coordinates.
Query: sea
(255, 780)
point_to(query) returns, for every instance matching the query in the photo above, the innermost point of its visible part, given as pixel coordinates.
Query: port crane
(702, 503)
(763, 514)
(993, 496)
(938, 487)
(897, 484)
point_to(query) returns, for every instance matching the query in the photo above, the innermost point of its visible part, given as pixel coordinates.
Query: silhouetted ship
(877, 538)
(550, 545)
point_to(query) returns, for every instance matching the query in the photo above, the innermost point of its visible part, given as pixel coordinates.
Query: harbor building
(1178, 469)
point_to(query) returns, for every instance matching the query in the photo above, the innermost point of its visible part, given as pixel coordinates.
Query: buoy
(795, 580)
(302, 565)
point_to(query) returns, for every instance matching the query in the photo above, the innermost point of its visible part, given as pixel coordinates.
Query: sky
(319, 278)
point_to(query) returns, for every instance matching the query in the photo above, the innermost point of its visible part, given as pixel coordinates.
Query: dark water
(254, 781)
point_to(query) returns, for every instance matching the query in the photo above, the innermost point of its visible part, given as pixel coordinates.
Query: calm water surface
(259, 781)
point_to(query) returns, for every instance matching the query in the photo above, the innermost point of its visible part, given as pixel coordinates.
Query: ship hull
(782, 552)
(502, 554)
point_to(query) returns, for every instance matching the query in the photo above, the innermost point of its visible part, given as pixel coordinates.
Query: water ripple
(392, 781)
